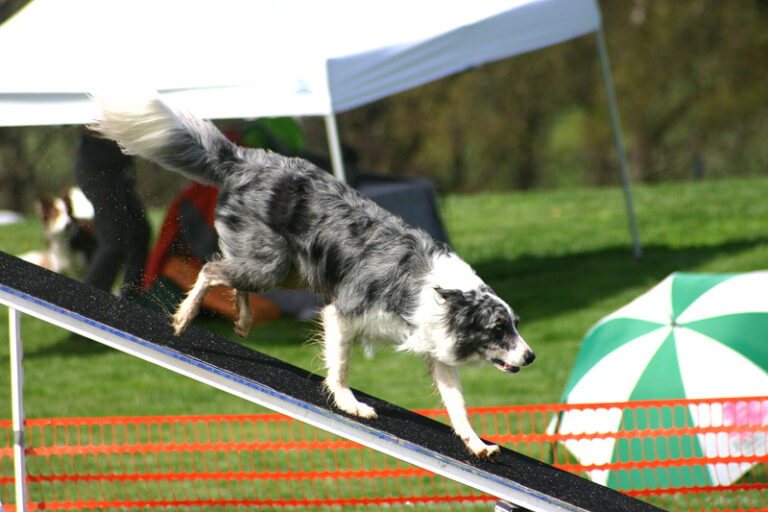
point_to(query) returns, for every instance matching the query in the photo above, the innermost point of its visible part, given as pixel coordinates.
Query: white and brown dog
(68, 231)
(282, 221)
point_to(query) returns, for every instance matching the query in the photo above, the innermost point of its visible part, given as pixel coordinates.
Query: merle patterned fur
(309, 226)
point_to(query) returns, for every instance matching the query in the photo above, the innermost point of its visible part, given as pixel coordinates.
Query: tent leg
(334, 144)
(17, 402)
(638, 250)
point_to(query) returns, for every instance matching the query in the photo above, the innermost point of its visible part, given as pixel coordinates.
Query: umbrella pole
(334, 144)
(612, 106)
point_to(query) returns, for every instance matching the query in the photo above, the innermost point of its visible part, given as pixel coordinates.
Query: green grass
(561, 258)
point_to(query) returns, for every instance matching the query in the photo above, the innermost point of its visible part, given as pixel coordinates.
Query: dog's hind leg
(210, 275)
(243, 312)
(336, 349)
(448, 383)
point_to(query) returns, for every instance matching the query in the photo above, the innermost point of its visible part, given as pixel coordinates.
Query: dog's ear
(444, 295)
(43, 207)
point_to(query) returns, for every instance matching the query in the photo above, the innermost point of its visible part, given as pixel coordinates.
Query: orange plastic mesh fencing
(678, 455)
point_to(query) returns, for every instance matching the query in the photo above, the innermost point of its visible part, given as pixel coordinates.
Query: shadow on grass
(69, 345)
(545, 287)
(283, 332)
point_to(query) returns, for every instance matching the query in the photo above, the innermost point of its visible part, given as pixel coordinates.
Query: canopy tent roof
(240, 58)
(245, 58)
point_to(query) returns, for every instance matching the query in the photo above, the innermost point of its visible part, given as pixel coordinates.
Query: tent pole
(638, 250)
(334, 144)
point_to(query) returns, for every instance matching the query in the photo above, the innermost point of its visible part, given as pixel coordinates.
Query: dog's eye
(500, 326)
(516, 321)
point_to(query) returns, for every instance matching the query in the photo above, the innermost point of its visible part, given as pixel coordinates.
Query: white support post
(612, 106)
(17, 403)
(334, 144)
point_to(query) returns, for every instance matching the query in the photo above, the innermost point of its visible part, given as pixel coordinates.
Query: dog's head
(55, 214)
(65, 216)
(486, 328)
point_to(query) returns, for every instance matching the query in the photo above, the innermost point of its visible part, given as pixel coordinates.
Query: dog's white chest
(382, 328)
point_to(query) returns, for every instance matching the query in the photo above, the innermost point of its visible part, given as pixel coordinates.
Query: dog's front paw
(347, 402)
(362, 410)
(482, 450)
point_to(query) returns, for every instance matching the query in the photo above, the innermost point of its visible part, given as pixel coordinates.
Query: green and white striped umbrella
(691, 336)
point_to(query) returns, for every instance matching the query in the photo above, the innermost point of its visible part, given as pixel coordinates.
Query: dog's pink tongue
(507, 368)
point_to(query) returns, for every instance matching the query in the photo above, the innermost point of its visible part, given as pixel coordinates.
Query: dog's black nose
(529, 357)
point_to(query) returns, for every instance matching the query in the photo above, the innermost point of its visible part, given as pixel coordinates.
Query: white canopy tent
(246, 58)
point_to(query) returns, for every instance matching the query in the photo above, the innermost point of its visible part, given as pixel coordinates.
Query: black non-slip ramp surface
(296, 392)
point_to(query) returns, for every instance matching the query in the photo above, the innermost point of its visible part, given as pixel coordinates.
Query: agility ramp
(284, 388)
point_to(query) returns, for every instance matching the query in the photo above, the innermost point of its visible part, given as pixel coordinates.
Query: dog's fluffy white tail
(151, 129)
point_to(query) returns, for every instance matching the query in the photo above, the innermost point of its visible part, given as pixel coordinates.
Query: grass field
(561, 258)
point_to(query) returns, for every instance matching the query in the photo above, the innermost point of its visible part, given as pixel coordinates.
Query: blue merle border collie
(284, 222)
